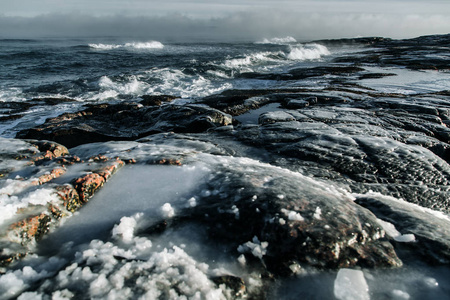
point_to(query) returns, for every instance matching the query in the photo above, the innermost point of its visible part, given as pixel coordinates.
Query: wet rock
(430, 229)
(237, 102)
(302, 73)
(126, 121)
(156, 100)
(236, 284)
(379, 146)
(375, 75)
(405, 53)
(14, 108)
(281, 217)
(51, 100)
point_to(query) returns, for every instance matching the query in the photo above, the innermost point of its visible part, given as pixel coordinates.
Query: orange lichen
(70, 197)
(32, 227)
(87, 185)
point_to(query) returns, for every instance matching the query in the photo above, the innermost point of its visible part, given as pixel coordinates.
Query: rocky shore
(346, 176)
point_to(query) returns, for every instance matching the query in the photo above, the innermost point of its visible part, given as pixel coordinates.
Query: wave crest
(133, 45)
(277, 40)
(308, 52)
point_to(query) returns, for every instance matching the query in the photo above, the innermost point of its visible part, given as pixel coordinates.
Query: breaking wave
(265, 59)
(308, 52)
(134, 45)
(278, 41)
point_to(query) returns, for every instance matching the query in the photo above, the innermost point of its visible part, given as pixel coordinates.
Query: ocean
(323, 133)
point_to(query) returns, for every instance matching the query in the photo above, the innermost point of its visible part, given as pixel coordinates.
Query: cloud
(244, 25)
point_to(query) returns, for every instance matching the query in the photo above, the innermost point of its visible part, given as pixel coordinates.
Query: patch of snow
(318, 214)
(167, 210)
(255, 247)
(292, 215)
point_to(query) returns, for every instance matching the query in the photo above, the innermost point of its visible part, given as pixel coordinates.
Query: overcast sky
(224, 20)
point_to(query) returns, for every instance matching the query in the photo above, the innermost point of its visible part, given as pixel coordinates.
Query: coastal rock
(294, 219)
(404, 53)
(431, 229)
(87, 185)
(35, 203)
(379, 146)
(126, 121)
(156, 100)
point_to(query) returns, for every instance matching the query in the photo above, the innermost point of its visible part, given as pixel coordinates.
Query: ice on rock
(192, 202)
(400, 295)
(405, 238)
(318, 214)
(242, 260)
(167, 210)
(395, 234)
(351, 285)
(125, 229)
(255, 247)
(30, 296)
(292, 215)
(431, 282)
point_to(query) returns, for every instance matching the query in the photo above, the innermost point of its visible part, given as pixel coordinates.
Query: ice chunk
(242, 260)
(405, 238)
(351, 285)
(398, 294)
(257, 248)
(395, 234)
(318, 213)
(167, 210)
(431, 282)
(292, 215)
(30, 296)
(125, 229)
(192, 202)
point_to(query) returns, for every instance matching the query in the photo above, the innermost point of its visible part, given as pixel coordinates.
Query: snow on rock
(126, 227)
(167, 210)
(255, 247)
(292, 215)
(351, 285)
(36, 194)
(115, 270)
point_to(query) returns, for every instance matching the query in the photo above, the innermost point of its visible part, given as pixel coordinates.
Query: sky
(186, 20)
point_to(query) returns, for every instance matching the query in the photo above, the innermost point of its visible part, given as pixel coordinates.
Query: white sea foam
(175, 82)
(308, 52)
(11, 94)
(278, 40)
(133, 45)
(253, 59)
(110, 88)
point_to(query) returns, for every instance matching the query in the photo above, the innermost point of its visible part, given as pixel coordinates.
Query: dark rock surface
(300, 220)
(430, 229)
(127, 121)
